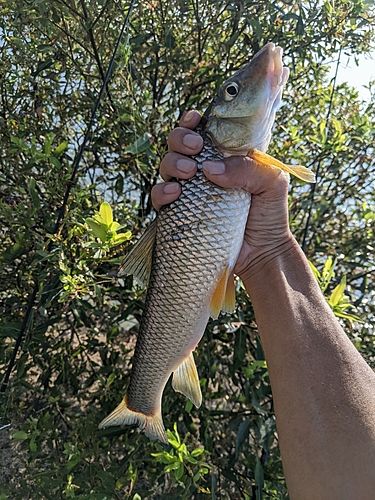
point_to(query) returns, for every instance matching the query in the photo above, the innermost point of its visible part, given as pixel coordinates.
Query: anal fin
(139, 261)
(151, 425)
(186, 380)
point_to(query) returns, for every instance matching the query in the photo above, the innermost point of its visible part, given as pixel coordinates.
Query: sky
(357, 76)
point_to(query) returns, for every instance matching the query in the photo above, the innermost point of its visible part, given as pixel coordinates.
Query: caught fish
(187, 255)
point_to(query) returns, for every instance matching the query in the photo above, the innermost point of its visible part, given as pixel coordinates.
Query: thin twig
(90, 32)
(313, 188)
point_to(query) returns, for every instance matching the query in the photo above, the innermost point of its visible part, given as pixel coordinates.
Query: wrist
(259, 259)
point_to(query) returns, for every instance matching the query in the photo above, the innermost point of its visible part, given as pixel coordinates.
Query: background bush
(59, 293)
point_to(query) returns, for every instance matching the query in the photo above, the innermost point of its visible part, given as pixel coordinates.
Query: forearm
(324, 392)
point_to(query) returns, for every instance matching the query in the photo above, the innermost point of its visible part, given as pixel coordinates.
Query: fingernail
(189, 115)
(185, 166)
(214, 167)
(171, 188)
(192, 141)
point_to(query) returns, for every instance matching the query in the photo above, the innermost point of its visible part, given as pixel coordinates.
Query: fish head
(243, 112)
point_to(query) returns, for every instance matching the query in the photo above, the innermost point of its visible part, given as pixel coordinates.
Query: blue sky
(357, 76)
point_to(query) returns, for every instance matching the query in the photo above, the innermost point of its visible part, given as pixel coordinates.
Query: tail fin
(151, 425)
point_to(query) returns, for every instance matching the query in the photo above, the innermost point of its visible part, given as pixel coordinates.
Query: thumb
(243, 172)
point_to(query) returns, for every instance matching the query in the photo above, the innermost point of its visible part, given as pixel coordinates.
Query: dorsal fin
(138, 262)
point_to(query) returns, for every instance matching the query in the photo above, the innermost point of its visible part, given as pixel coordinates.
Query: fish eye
(231, 91)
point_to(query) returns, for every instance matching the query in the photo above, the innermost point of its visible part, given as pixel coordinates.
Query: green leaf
(42, 65)
(197, 452)
(179, 472)
(173, 466)
(20, 435)
(55, 162)
(33, 193)
(314, 270)
(115, 226)
(328, 273)
(322, 130)
(105, 212)
(349, 317)
(172, 441)
(140, 145)
(61, 148)
(338, 293)
(99, 230)
(120, 238)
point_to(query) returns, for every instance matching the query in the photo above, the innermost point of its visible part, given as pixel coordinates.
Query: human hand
(267, 230)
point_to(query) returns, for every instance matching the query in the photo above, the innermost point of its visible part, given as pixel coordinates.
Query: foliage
(82, 318)
(188, 468)
(337, 300)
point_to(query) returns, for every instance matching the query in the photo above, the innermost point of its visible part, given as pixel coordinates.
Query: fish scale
(197, 236)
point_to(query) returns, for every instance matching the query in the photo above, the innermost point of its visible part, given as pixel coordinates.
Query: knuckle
(170, 158)
(155, 191)
(171, 136)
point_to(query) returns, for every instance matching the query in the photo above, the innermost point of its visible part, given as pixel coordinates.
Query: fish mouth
(268, 64)
(277, 73)
(271, 56)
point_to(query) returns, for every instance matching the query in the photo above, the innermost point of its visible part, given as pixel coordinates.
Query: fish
(187, 255)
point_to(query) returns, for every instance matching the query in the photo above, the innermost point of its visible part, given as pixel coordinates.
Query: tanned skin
(323, 390)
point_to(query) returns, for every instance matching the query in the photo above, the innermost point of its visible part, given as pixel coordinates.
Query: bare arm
(323, 390)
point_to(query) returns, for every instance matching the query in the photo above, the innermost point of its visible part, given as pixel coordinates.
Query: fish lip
(275, 70)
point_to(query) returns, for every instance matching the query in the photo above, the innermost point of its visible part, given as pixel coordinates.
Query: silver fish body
(197, 238)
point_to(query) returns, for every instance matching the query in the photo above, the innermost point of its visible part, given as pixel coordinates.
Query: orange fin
(223, 297)
(151, 425)
(186, 380)
(229, 303)
(303, 173)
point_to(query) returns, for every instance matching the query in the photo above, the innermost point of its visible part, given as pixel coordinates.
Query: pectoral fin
(186, 380)
(299, 171)
(224, 295)
(138, 262)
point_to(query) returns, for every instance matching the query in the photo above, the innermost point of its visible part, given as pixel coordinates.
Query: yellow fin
(229, 303)
(224, 297)
(299, 171)
(138, 262)
(186, 380)
(217, 299)
(152, 425)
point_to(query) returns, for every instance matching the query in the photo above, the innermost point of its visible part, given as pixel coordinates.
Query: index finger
(190, 119)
